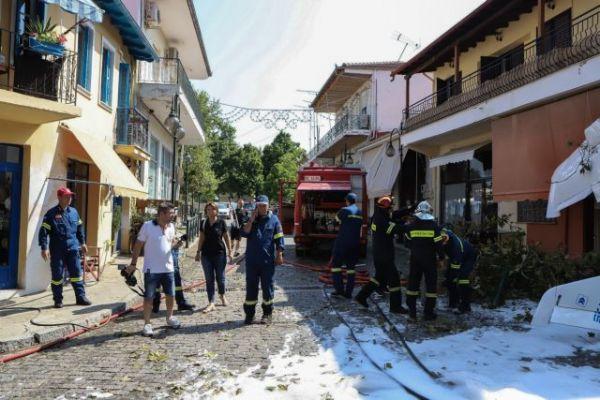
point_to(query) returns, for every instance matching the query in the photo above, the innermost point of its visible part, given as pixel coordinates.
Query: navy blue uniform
(462, 258)
(346, 248)
(383, 230)
(64, 230)
(266, 235)
(425, 241)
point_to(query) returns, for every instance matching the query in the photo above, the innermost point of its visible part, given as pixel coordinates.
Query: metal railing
(557, 49)
(30, 71)
(344, 124)
(132, 128)
(170, 71)
(192, 228)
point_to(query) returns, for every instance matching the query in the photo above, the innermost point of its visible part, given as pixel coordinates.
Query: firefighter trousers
(385, 271)
(459, 284)
(262, 274)
(349, 258)
(71, 260)
(422, 266)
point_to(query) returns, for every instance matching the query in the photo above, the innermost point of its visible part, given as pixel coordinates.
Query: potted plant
(42, 38)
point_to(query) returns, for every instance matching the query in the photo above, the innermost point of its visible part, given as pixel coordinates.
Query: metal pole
(186, 178)
(173, 172)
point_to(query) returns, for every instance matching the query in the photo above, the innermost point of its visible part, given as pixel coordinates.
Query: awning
(382, 171)
(333, 186)
(455, 156)
(578, 176)
(112, 169)
(131, 33)
(83, 8)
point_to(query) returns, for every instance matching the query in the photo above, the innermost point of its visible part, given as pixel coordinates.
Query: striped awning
(83, 8)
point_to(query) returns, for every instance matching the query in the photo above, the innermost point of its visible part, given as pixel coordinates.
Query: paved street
(116, 359)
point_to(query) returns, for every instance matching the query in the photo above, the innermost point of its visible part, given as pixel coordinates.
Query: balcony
(132, 134)
(556, 50)
(348, 131)
(160, 82)
(38, 85)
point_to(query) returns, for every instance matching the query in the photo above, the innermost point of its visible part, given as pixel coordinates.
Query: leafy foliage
(248, 167)
(202, 182)
(281, 160)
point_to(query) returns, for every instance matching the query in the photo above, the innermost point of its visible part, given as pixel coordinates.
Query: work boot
(249, 310)
(156, 303)
(338, 295)
(412, 315)
(396, 302)
(465, 299)
(431, 316)
(249, 320)
(338, 282)
(185, 306)
(58, 304)
(267, 319)
(430, 305)
(83, 301)
(361, 300)
(350, 279)
(452, 296)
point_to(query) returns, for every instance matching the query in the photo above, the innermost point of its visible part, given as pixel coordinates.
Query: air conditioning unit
(363, 121)
(152, 15)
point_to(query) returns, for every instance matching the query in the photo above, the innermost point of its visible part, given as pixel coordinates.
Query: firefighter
(346, 248)
(264, 250)
(64, 228)
(462, 257)
(182, 303)
(425, 241)
(383, 231)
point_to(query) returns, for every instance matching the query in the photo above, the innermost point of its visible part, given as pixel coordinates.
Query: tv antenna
(406, 41)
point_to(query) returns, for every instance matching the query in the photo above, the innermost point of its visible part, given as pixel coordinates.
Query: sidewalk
(109, 296)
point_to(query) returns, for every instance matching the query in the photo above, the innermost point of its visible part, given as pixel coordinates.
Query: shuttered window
(85, 50)
(106, 83)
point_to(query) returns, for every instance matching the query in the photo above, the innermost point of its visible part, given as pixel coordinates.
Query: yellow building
(71, 115)
(515, 85)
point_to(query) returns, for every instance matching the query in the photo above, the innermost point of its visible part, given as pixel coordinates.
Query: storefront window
(454, 202)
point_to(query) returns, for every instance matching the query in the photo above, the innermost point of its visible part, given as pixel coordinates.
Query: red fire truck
(320, 192)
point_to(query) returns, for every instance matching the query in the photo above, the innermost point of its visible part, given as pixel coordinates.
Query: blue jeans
(154, 281)
(214, 268)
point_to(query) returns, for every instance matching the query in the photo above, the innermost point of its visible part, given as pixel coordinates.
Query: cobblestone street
(116, 359)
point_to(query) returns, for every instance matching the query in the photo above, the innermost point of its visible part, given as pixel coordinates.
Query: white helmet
(424, 211)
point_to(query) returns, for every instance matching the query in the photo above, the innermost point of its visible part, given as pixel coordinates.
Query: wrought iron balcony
(556, 50)
(36, 69)
(169, 71)
(132, 134)
(345, 124)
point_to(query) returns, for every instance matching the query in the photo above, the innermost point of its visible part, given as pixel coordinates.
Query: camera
(130, 279)
(183, 238)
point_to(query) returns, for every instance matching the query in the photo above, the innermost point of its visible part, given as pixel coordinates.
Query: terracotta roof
(484, 20)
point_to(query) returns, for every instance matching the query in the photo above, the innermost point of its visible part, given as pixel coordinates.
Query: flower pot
(54, 49)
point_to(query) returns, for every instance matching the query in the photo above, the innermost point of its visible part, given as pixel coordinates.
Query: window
(166, 172)
(106, 82)
(492, 67)
(153, 169)
(533, 212)
(85, 50)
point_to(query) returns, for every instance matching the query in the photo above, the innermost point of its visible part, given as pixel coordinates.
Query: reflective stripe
(374, 281)
(455, 266)
(57, 283)
(431, 295)
(337, 218)
(250, 302)
(412, 292)
(178, 288)
(422, 234)
(157, 290)
(438, 238)
(76, 279)
(406, 236)
(395, 289)
(374, 227)
(390, 228)
(355, 217)
(350, 272)
(462, 249)
(80, 222)
(464, 281)
(46, 226)
(267, 303)
(278, 235)
(336, 270)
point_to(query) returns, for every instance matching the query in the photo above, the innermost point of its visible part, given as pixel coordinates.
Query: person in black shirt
(212, 252)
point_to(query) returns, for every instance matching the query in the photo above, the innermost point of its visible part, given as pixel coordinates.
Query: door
(10, 200)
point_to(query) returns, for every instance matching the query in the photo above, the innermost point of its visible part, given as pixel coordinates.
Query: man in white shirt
(157, 237)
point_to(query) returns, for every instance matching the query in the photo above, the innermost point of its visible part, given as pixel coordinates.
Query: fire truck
(319, 194)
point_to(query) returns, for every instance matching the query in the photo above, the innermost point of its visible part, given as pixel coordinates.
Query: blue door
(10, 200)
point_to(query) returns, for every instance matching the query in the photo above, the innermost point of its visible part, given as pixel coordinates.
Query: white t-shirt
(157, 248)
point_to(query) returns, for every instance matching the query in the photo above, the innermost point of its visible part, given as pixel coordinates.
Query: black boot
(350, 278)
(452, 296)
(396, 302)
(465, 299)
(267, 310)
(249, 311)
(83, 301)
(267, 319)
(365, 292)
(429, 314)
(156, 302)
(182, 304)
(411, 303)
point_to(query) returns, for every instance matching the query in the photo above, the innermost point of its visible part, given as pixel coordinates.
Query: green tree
(281, 144)
(248, 177)
(281, 160)
(202, 182)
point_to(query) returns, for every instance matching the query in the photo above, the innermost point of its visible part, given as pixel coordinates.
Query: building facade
(71, 115)
(516, 85)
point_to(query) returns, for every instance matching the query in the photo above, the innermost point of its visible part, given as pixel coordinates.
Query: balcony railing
(344, 124)
(557, 49)
(35, 71)
(132, 128)
(170, 71)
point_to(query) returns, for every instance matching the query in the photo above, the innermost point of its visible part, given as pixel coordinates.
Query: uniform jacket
(266, 235)
(63, 228)
(383, 230)
(424, 238)
(458, 250)
(351, 221)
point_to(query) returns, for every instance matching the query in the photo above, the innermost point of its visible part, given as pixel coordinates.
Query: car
(249, 207)
(224, 210)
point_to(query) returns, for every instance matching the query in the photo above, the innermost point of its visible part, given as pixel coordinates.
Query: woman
(212, 252)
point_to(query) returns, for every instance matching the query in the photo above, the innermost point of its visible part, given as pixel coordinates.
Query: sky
(264, 52)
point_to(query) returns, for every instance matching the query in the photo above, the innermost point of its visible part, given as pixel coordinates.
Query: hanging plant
(44, 32)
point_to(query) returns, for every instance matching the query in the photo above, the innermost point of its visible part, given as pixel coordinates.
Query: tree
(285, 169)
(248, 177)
(282, 144)
(202, 182)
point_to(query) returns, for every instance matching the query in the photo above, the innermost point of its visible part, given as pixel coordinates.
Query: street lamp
(390, 151)
(172, 121)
